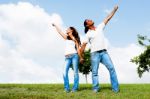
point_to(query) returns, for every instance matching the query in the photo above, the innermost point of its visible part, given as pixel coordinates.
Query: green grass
(55, 91)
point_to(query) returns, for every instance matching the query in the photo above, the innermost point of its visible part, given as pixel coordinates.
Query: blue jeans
(103, 57)
(72, 59)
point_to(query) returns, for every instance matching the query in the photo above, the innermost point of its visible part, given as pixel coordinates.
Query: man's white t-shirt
(96, 38)
(70, 47)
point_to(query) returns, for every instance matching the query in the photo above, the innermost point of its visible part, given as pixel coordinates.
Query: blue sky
(131, 19)
(31, 51)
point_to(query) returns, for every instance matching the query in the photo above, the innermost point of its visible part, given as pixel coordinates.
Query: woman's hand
(59, 31)
(53, 24)
(81, 60)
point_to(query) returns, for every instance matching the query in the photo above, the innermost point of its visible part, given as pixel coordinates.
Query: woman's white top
(70, 47)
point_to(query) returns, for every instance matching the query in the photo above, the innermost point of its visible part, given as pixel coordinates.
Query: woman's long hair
(75, 34)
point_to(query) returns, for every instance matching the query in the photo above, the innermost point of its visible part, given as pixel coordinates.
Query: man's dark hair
(85, 27)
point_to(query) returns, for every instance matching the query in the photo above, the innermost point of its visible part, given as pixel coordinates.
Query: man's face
(89, 22)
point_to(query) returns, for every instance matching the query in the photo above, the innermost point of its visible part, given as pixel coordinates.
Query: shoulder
(88, 33)
(85, 38)
(101, 25)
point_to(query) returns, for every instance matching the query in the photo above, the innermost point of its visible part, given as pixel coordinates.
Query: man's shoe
(115, 91)
(74, 91)
(95, 91)
(67, 91)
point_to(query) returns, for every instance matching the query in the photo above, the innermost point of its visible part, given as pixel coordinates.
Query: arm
(83, 47)
(60, 32)
(79, 52)
(78, 48)
(110, 15)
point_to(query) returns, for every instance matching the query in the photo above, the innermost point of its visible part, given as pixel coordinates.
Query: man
(94, 35)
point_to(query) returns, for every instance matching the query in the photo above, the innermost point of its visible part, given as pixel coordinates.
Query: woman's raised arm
(59, 31)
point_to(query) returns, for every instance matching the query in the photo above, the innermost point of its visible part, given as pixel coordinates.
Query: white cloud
(29, 46)
(31, 51)
(126, 70)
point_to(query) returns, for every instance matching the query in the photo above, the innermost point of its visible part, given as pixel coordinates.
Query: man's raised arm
(110, 15)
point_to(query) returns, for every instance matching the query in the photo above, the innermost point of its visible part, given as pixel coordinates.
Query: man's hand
(116, 7)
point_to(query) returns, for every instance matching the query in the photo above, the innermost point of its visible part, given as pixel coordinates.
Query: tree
(143, 60)
(85, 67)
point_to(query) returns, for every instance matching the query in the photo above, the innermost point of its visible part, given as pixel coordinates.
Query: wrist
(116, 7)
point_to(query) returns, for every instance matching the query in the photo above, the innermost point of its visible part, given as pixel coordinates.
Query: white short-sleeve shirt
(96, 38)
(70, 47)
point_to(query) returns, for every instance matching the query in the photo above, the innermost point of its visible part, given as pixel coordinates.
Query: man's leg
(95, 59)
(113, 77)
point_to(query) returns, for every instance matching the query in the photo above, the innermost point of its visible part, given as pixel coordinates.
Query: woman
(72, 54)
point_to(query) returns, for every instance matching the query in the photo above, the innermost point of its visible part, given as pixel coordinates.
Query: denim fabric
(103, 57)
(72, 59)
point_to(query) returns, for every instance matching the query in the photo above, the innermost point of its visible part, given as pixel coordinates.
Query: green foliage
(142, 40)
(143, 60)
(85, 68)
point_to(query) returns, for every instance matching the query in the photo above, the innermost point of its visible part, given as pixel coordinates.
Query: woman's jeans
(72, 59)
(103, 57)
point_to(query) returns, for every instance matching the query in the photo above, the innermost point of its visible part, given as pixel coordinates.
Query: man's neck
(92, 27)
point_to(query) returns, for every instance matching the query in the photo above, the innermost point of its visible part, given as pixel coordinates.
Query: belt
(69, 54)
(100, 51)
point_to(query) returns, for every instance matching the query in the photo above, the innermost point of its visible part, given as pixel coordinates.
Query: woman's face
(89, 22)
(69, 31)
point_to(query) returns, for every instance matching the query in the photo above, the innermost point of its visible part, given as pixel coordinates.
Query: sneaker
(95, 91)
(67, 91)
(115, 91)
(74, 90)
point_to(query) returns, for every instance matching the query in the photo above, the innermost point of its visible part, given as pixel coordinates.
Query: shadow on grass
(89, 87)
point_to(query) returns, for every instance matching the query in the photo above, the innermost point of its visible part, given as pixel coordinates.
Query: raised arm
(110, 15)
(59, 31)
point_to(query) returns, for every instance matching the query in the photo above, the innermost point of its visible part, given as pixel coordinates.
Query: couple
(74, 49)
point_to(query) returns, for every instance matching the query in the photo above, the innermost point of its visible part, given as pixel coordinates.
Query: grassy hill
(55, 91)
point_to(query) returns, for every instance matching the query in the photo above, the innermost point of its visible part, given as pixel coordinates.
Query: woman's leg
(65, 74)
(75, 61)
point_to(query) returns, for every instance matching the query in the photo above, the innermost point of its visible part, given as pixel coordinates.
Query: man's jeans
(72, 59)
(103, 57)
